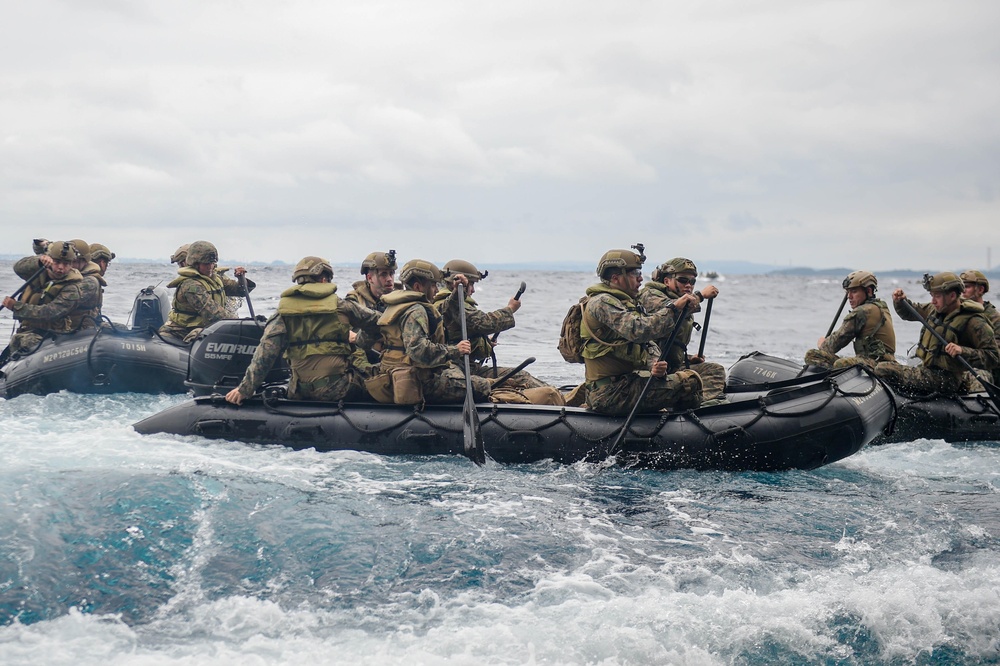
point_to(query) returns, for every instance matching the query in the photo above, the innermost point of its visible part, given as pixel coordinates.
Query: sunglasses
(686, 280)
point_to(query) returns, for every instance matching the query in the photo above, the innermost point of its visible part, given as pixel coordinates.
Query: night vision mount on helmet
(377, 261)
(946, 281)
(63, 251)
(621, 260)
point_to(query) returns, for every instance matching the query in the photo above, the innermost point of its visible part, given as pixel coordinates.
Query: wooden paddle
(471, 430)
(645, 388)
(991, 389)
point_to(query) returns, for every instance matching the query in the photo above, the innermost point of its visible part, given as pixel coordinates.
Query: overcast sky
(861, 134)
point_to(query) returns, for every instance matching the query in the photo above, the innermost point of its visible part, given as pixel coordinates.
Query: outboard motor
(756, 368)
(150, 309)
(222, 353)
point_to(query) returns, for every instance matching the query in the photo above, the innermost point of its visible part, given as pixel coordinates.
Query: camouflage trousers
(972, 383)
(23, 342)
(681, 390)
(447, 386)
(713, 380)
(824, 359)
(180, 333)
(920, 379)
(519, 380)
(348, 387)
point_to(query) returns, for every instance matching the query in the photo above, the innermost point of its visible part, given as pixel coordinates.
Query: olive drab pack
(571, 342)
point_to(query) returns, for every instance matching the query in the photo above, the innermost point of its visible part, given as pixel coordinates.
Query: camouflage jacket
(361, 294)
(48, 314)
(478, 324)
(191, 296)
(967, 326)
(991, 313)
(632, 325)
(418, 342)
(274, 342)
(869, 326)
(655, 298)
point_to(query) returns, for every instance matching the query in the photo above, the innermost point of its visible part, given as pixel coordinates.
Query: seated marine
(201, 293)
(312, 327)
(379, 271)
(417, 364)
(961, 322)
(479, 325)
(868, 325)
(88, 310)
(669, 291)
(976, 287)
(620, 352)
(102, 256)
(49, 299)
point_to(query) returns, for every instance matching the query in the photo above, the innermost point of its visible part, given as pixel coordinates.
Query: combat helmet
(311, 269)
(973, 276)
(63, 251)
(860, 279)
(418, 268)
(98, 252)
(673, 267)
(82, 248)
(456, 266)
(621, 259)
(202, 252)
(946, 281)
(180, 255)
(377, 261)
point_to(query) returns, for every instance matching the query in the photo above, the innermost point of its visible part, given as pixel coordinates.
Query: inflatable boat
(115, 358)
(972, 417)
(813, 422)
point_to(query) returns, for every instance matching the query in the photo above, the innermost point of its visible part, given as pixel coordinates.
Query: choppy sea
(121, 549)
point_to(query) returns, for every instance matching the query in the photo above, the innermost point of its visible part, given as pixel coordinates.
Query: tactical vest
(951, 326)
(878, 341)
(180, 315)
(312, 321)
(676, 356)
(85, 313)
(605, 352)
(361, 294)
(398, 303)
(482, 348)
(47, 293)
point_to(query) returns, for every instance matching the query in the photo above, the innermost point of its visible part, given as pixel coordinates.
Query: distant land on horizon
(722, 267)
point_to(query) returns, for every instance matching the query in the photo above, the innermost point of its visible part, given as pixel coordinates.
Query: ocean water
(121, 549)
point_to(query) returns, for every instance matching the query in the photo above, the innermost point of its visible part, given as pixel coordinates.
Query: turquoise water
(163, 550)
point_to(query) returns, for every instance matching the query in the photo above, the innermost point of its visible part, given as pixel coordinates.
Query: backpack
(570, 341)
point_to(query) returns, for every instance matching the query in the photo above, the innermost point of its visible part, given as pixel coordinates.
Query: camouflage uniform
(619, 341)
(655, 298)
(480, 325)
(940, 373)
(195, 304)
(991, 314)
(91, 296)
(327, 378)
(421, 332)
(45, 307)
(869, 326)
(365, 361)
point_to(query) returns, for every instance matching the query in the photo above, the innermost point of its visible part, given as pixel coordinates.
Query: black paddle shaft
(471, 430)
(704, 328)
(246, 293)
(645, 388)
(517, 297)
(836, 317)
(20, 290)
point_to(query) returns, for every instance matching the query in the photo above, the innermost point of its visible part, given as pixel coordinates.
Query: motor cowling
(221, 354)
(150, 309)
